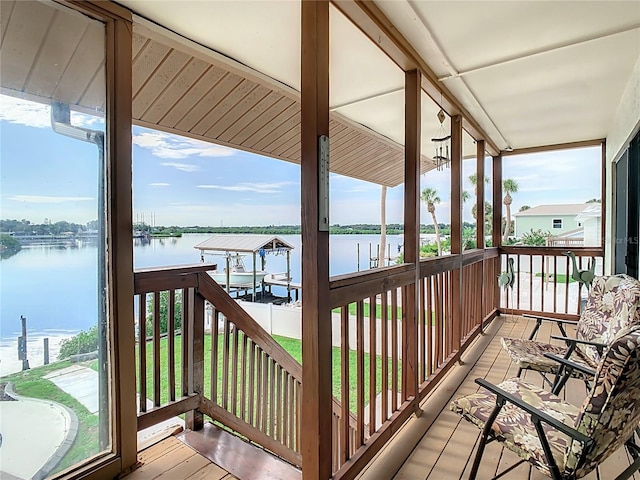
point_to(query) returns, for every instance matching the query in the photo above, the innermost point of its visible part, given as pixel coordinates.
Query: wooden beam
(496, 230)
(496, 234)
(480, 234)
(119, 220)
(603, 197)
(456, 184)
(368, 17)
(412, 130)
(557, 146)
(456, 228)
(315, 435)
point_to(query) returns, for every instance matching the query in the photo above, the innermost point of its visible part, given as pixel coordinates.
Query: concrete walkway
(38, 430)
(80, 382)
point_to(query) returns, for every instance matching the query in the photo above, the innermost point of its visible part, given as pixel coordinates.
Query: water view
(35, 273)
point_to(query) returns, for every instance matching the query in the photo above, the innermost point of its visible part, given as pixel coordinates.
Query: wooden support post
(193, 418)
(315, 436)
(480, 221)
(496, 234)
(46, 350)
(412, 128)
(497, 201)
(456, 229)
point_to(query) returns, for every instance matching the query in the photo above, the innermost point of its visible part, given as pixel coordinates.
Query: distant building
(569, 224)
(556, 219)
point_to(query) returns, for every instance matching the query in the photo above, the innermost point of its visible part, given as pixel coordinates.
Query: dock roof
(243, 243)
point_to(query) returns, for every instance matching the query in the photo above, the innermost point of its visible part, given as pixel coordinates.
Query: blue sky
(181, 181)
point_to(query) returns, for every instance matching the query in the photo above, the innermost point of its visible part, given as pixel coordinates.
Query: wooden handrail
(226, 305)
(552, 251)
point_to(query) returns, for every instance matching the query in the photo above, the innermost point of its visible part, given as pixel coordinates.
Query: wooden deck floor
(447, 449)
(171, 459)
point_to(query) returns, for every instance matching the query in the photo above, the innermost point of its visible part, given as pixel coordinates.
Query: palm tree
(509, 186)
(383, 225)
(473, 178)
(431, 198)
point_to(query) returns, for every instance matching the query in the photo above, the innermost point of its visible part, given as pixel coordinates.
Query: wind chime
(441, 142)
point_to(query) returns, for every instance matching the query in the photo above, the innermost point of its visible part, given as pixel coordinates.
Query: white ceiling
(531, 73)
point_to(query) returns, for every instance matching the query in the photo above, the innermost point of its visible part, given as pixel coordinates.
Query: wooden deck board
(447, 449)
(172, 459)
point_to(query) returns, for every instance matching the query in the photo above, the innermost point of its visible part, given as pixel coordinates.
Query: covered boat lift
(262, 245)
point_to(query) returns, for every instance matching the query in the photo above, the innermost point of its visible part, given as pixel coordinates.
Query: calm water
(55, 288)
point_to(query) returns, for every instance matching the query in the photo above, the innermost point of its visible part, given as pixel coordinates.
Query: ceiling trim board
(558, 146)
(374, 24)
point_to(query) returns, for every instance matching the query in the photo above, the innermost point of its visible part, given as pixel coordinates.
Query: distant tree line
(25, 227)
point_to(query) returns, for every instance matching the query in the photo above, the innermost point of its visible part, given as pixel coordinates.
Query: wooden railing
(378, 339)
(237, 374)
(543, 282)
(389, 352)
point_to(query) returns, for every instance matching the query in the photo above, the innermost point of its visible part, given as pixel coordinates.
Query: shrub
(84, 342)
(164, 312)
(536, 238)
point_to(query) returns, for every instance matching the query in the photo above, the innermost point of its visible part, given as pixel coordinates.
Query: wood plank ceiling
(181, 89)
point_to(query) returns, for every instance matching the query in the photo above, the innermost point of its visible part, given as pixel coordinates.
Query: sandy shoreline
(9, 362)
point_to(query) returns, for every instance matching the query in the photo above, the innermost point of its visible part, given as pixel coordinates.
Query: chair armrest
(534, 412)
(576, 341)
(571, 364)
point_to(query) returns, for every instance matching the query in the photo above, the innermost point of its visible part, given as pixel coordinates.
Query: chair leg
(483, 440)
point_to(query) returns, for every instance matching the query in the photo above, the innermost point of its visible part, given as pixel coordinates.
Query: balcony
(385, 369)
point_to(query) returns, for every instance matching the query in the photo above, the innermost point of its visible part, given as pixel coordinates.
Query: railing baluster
(171, 344)
(226, 341)
(142, 351)
(259, 392)
(155, 322)
(344, 358)
(252, 373)
(243, 377)
(360, 373)
(555, 283)
(384, 326)
(215, 344)
(265, 391)
(234, 370)
(394, 350)
(285, 409)
(184, 343)
(430, 319)
(566, 285)
(373, 348)
(272, 396)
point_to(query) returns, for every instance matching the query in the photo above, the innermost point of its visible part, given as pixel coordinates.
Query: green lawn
(560, 278)
(32, 384)
(353, 311)
(293, 346)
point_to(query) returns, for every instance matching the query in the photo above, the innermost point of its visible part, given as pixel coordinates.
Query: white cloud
(164, 145)
(34, 114)
(275, 187)
(48, 199)
(159, 184)
(184, 167)
(23, 112)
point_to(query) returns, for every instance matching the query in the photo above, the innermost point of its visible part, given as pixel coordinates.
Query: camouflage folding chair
(561, 440)
(612, 305)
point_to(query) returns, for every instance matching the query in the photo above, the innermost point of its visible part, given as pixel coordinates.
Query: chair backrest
(595, 324)
(611, 412)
